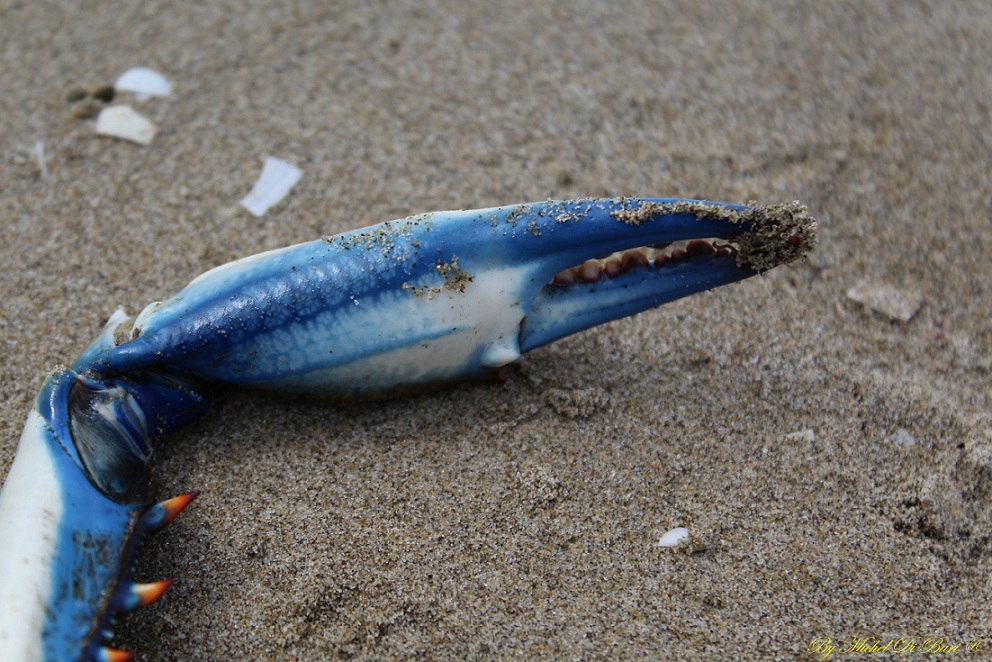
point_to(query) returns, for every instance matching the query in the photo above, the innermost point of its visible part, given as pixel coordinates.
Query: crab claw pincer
(446, 296)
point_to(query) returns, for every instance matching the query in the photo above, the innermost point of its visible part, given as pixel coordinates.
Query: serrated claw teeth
(160, 515)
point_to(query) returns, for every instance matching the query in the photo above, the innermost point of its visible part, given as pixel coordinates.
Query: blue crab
(393, 308)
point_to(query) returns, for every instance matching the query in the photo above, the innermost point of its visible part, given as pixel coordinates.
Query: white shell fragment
(899, 305)
(674, 537)
(277, 178)
(39, 154)
(806, 435)
(125, 123)
(143, 83)
(902, 437)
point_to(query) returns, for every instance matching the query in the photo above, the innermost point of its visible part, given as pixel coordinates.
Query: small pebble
(899, 305)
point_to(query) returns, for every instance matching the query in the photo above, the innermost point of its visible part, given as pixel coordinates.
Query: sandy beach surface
(824, 431)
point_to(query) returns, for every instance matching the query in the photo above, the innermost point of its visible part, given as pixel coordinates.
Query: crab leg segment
(66, 546)
(74, 509)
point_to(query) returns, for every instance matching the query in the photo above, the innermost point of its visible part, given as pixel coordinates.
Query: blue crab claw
(446, 296)
(388, 309)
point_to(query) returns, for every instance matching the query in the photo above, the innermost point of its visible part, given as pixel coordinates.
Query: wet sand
(830, 458)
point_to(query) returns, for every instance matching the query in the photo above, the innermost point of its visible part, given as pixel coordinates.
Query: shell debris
(674, 537)
(807, 435)
(126, 123)
(275, 182)
(39, 154)
(143, 83)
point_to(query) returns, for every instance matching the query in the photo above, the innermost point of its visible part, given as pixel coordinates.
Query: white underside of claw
(486, 314)
(30, 511)
(504, 345)
(434, 336)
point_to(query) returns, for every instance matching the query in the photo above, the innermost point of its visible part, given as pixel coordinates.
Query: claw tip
(161, 515)
(115, 655)
(149, 593)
